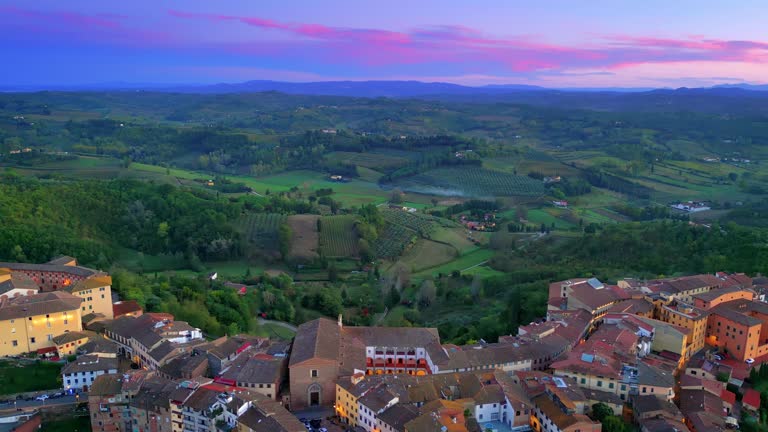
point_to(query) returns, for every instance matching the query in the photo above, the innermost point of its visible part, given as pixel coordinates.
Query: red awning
(46, 350)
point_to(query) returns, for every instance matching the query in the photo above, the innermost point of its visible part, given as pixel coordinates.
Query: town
(677, 354)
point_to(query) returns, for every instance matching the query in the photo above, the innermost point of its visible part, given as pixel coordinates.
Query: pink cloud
(459, 44)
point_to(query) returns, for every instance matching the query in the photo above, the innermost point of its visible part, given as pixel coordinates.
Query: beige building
(96, 292)
(30, 323)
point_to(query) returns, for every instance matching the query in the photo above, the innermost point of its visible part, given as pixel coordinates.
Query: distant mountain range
(391, 89)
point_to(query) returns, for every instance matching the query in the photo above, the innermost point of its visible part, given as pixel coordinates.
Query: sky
(552, 43)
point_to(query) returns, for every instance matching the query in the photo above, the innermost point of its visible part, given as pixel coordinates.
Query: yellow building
(96, 292)
(689, 317)
(29, 323)
(347, 392)
(68, 343)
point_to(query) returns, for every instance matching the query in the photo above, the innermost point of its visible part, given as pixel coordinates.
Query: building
(29, 323)
(555, 412)
(324, 350)
(63, 274)
(185, 367)
(126, 308)
(690, 317)
(411, 402)
(590, 295)
(68, 343)
(739, 328)
(150, 408)
(152, 340)
(15, 285)
(262, 374)
(81, 373)
(268, 416)
(226, 349)
(108, 401)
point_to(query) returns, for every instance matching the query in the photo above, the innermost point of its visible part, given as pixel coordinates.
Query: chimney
(340, 322)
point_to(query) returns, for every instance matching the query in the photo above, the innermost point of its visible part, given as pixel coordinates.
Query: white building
(81, 373)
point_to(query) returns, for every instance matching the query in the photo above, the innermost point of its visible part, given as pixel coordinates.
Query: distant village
(670, 354)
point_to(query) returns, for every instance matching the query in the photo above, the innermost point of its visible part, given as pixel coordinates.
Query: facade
(692, 318)
(29, 323)
(739, 328)
(81, 373)
(262, 374)
(108, 401)
(68, 343)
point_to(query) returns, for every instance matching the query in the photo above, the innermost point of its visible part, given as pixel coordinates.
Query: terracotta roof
(39, 304)
(254, 370)
(728, 311)
(72, 337)
(316, 339)
(716, 293)
(155, 393)
(706, 421)
(692, 401)
(270, 417)
(728, 396)
(632, 306)
(125, 307)
(18, 281)
(74, 270)
(91, 283)
(751, 398)
(663, 425)
(397, 416)
(594, 298)
(649, 375)
(560, 418)
(183, 366)
(106, 385)
(62, 260)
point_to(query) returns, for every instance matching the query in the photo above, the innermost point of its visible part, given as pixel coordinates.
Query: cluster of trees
(613, 182)
(648, 213)
(93, 220)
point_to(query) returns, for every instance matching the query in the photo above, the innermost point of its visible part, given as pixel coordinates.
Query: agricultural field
(425, 225)
(472, 182)
(392, 241)
(376, 161)
(305, 239)
(338, 238)
(261, 230)
(426, 254)
(466, 262)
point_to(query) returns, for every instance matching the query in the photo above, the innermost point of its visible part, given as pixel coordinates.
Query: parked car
(749, 361)
(57, 395)
(718, 357)
(42, 398)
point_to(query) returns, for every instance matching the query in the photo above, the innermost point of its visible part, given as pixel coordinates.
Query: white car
(749, 361)
(42, 397)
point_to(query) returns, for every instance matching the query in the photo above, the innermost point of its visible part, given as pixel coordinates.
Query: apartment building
(30, 323)
(82, 372)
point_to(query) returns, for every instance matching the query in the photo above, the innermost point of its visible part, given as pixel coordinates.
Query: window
(15, 343)
(599, 383)
(645, 389)
(313, 373)
(50, 337)
(31, 340)
(583, 380)
(13, 330)
(610, 385)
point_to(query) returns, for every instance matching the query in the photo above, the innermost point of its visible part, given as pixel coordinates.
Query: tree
(284, 237)
(614, 424)
(601, 411)
(427, 293)
(333, 273)
(476, 287)
(396, 197)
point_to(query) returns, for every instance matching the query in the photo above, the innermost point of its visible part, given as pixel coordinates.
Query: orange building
(717, 297)
(739, 328)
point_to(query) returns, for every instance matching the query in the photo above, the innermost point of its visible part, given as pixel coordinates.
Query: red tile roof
(728, 397)
(125, 307)
(751, 399)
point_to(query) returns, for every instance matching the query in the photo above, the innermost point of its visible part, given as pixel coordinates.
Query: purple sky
(557, 43)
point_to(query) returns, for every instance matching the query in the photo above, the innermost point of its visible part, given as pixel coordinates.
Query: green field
(427, 254)
(261, 230)
(425, 225)
(476, 182)
(464, 262)
(29, 377)
(392, 241)
(368, 160)
(338, 238)
(73, 424)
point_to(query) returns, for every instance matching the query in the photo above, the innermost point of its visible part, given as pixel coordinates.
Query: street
(13, 406)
